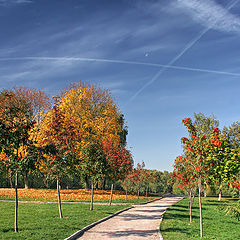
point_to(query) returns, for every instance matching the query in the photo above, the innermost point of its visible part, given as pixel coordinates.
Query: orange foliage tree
(119, 161)
(186, 179)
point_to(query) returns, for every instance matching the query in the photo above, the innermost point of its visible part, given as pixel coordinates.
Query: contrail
(170, 66)
(178, 56)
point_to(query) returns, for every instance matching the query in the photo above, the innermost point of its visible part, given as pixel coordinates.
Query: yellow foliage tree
(87, 115)
(92, 112)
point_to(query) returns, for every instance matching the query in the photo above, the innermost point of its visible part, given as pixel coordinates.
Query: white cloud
(210, 14)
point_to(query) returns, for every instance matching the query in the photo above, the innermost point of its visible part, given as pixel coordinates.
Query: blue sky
(163, 60)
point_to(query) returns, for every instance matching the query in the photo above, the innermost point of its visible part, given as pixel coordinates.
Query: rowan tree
(136, 177)
(186, 179)
(196, 149)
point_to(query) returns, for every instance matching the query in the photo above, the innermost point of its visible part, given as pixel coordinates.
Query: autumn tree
(186, 179)
(95, 118)
(93, 113)
(196, 149)
(136, 177)
(15, 143)
(119, 161)
(57, 137)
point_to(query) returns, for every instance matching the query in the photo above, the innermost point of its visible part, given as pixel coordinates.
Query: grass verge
(41, 221)
(216, 225)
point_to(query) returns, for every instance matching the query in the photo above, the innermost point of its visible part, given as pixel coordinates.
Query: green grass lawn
(41, 221)
(216, 226)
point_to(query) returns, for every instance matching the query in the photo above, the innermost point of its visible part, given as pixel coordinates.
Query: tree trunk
(205, 190)
(104, 184)
(59, 199)
(91, 204)
(10, 179)
(220, 195)
(138, 193)
(200, 206)
(190, 207)
(126, 194)
(86, 183)
(16, 204)
(110, 201)
(147, 191)
(45, 181)
(26, 184)
(190, 212)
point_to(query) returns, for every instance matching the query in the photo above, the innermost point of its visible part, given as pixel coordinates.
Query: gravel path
(140, 222)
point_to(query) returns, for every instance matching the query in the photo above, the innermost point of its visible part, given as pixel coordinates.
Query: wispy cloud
(63, 61)
(188, 46)
(210, 14)
(13, 2)
(11, 77)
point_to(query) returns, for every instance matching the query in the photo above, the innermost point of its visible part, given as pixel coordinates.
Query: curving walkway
(140, 222)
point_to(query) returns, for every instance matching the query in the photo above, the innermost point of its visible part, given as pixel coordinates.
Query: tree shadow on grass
(5, 230)
(223, 201)
(185, 207)
(179, 210)
(179, 216)
(180, 230)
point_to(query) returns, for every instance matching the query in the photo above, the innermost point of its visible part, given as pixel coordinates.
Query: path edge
(159, 228)
(80, 232)
(160, 236)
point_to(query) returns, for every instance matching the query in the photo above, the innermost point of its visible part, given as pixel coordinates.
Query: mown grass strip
(216, 225)
(41, 221)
